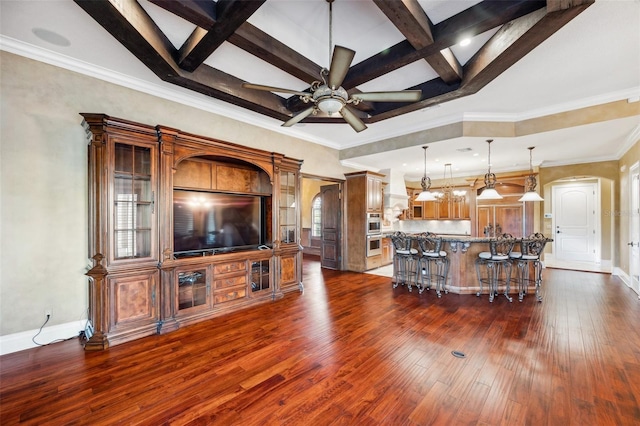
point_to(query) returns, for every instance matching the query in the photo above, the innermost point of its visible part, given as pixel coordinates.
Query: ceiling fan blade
(353, 120)
(402, 96)
(298, 117)
(274, 89)
(340, 62)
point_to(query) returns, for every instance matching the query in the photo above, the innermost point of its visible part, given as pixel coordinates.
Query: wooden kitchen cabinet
(363, 195)
(506, 215)
(438, 210)
(387, 251)
(374, 193)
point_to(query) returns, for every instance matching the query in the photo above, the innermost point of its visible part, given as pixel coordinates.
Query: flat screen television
(216, 222)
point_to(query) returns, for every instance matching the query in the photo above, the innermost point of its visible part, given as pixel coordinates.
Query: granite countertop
(460, 238)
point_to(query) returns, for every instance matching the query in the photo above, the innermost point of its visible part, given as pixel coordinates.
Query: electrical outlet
(47, 313)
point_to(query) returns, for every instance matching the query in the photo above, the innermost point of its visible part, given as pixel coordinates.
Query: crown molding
(555, 109)
(162, 90)
(165, 91)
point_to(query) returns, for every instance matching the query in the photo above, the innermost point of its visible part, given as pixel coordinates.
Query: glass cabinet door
(192, 289)
(133, 202)
(260, 275)
(288, 216)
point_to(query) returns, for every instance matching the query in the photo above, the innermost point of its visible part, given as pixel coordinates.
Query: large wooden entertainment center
(139, 284)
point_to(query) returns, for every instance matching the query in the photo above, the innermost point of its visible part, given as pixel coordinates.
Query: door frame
(327, 181)
(633, 215)
(597, 265)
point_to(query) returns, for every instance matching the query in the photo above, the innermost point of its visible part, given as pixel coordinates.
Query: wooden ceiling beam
(267, 48)
(510, 44)
(411, 20)
(199, 12)
(230, 14)
(514, 40)
(128, 23)
(131, 26)
(247, 37)
(468, 23)
(220, 85)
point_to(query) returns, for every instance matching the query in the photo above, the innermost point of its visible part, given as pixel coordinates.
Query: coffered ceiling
(527, 62)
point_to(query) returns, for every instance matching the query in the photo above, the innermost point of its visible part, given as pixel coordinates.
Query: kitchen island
(462, 252)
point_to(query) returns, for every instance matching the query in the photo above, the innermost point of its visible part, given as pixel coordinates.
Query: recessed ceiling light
(475, 154)
(465, 42)
(51, 37)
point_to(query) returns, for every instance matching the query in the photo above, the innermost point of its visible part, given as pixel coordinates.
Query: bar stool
(530, 250)
(404, 260)
(496, 265)
(433, 263)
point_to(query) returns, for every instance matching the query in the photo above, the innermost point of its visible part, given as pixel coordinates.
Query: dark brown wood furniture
(139, 283)
(363, 197)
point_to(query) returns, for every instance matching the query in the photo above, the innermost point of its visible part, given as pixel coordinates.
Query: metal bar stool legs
(405, 261)
(494, 267)
(433, 263)
(529, 258)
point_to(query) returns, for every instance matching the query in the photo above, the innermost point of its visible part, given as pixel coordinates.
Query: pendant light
(489, 192)
(448, 193)
(426, 194)
(530, 183)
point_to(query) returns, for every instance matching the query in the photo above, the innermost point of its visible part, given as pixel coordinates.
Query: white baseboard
(23, 340)
(625, 279)
(597, 266)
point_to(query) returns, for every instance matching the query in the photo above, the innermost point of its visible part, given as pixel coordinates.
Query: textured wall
(43, 178)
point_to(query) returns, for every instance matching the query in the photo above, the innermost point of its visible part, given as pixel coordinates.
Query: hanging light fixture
(426, 194)
(448, 193)
(489, 192)
(530, 183)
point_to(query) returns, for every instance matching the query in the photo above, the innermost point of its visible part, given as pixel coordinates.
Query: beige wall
(43, 179)
(310, 188)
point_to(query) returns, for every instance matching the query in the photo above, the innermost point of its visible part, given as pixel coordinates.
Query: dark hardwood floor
(352, 350)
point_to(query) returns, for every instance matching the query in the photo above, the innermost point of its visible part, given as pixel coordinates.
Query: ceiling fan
(328, 95)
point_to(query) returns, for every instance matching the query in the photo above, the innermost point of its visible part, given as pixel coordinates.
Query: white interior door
(634, 228)
(575, 222)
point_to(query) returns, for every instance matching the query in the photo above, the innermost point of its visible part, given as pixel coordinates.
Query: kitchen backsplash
(448, 227)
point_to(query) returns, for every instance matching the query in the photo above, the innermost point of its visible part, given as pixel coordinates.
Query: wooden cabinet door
(290, 269)
(460, 209)
(134, 305)
(387, 251)
(500, 219)
(430, 210)
(374, 194)
(444, 209)
(509, 219)
(484, 219)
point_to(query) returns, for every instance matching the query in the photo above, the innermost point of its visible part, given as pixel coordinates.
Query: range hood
(395, 192)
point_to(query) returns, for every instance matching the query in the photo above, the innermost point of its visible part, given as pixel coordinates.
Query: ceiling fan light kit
(328, 95)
